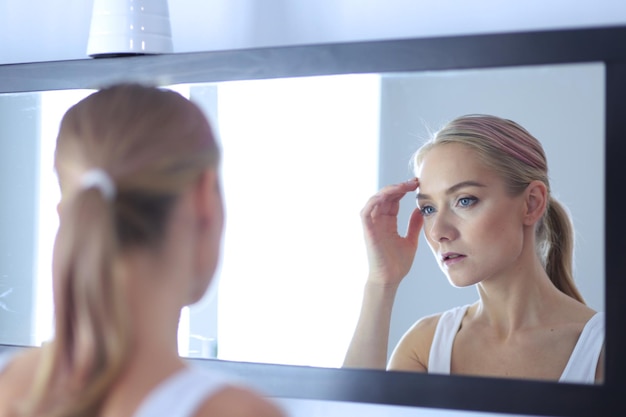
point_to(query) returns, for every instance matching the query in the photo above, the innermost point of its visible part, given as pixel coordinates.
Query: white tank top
(180, 395)
(580, 369)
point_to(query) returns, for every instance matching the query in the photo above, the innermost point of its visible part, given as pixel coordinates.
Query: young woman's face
(473, 226)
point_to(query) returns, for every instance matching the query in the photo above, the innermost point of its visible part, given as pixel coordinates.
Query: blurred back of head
(152, 144)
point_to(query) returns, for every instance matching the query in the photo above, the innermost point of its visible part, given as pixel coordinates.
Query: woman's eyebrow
(454, 188)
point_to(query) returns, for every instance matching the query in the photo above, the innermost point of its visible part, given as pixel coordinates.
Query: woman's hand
(390, 255)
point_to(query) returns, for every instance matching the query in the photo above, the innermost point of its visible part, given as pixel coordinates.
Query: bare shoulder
(23, 363)
(423, 330)
(17, 376)
(426, 324)
(413, 350)
(574, 311)
(239, 402)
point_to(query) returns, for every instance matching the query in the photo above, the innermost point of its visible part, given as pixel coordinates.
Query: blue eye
(427, 210)
(467, 201)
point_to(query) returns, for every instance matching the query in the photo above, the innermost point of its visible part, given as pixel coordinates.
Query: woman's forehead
(446, 165)
(444, 158)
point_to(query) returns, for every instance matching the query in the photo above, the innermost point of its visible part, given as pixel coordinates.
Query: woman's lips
(450, 258)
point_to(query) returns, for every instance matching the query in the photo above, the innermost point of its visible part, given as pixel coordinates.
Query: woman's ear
(207, 195)
(536, 201)
(209, 226)
(209, 206)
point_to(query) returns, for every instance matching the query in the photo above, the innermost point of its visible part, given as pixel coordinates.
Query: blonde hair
(152, 143)
(518, 157)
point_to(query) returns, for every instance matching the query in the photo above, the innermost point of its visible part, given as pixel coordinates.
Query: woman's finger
(386, 201)
(416, 221)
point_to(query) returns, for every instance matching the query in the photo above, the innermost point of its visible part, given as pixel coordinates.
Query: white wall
(46, 30)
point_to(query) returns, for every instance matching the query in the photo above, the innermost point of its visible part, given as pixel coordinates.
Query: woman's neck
(156, 289)
(518, 299)
(154, 305)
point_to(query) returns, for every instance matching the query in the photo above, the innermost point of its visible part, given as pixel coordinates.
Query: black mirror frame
(607, 45)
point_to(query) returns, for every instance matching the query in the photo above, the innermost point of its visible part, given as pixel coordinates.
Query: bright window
(300, 160)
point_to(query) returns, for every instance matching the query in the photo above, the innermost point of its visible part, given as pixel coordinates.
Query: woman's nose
(442, 227)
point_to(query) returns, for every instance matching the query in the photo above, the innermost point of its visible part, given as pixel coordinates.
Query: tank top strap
(440, 356)
(582, 364)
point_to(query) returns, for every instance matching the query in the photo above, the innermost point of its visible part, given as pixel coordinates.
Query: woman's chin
(461, 282)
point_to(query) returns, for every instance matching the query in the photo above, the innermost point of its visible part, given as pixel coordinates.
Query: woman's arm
(368, 348)
(390, 257)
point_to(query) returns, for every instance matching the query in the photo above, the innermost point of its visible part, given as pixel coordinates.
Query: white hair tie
(99, 179)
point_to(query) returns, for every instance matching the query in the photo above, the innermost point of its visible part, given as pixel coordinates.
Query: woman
(487, 213)
(141, 220)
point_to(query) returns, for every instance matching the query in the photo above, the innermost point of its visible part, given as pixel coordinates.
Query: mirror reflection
(301, 158)
(486, 210)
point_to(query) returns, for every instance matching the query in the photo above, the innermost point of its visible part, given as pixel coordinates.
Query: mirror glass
(301, 156)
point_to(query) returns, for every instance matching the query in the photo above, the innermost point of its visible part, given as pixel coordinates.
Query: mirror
(300, 158)
(371, 121)
(403, 88)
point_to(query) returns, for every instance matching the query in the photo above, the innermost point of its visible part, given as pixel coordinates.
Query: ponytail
(558, 248)
(92, 336)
